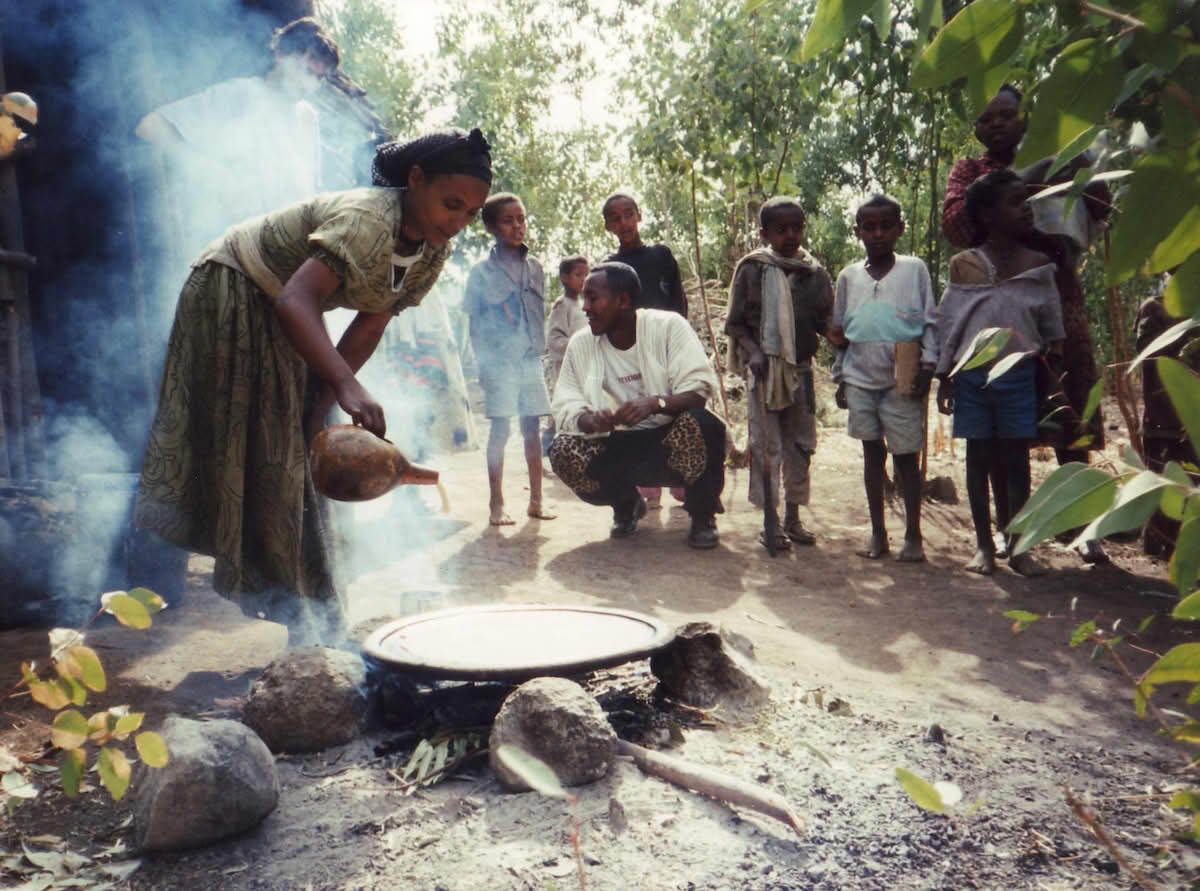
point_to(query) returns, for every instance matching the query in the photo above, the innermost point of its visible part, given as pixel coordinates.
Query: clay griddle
(514, 642)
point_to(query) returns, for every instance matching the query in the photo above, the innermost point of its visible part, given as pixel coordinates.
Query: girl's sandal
(538, 512)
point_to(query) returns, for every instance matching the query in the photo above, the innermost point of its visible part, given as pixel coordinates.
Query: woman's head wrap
(445, 152)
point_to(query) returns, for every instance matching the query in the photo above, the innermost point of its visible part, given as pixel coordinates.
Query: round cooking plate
(515, 642)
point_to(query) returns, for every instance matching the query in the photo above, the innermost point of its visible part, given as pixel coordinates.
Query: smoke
(114, 222)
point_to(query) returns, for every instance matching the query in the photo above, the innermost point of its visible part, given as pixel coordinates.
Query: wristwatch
(662, 403)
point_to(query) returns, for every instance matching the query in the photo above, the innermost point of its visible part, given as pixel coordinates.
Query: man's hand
(635, 411)
(839, 395)
(945, 396)
(924, 380)
(597, 422)
(758, 364)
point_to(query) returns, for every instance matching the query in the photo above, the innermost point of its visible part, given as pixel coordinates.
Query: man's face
(509, 228)
(621, 219)
(1001, 125)
(600, 305)
(879, 228)
(784, 231)
(573, 279)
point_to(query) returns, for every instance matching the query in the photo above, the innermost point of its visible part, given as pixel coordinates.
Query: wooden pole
(720, 367)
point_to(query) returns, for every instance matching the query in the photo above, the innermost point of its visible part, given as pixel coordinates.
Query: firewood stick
(712, 783)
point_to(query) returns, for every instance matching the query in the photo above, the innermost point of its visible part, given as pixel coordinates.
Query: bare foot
(538, 512)
(912, 552)
(876, 547)
(1023, 564)
(984, 563)
(497, 516)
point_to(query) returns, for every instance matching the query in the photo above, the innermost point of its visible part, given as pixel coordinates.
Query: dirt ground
(898, 647)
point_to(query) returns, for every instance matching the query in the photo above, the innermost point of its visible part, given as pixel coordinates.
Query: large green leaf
(1179, 664)
(983, 35)
(1077, 94)
(922, 792)
(1183, 386)
(881, 15)
(1061, 476)
(1073, 148)
(1179, 244)
(1135, 504)
(1005, 365)
(1189, 608)
(929, 15)
(1162, 199)
(834, 20)
(1182, 294)
(1184, 567)
(1082, 498)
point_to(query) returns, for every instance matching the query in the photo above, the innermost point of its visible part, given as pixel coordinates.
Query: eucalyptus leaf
(1179, 664)
(1061, 476)
(1159, 206)
(1182, 294)
(1183, 386)
(834, 20)
(923, 793)
(1184, 568)
(1164, 340)
(1073, 149)
(1136, 502)
(1005, 364)
(1085, 496)
(982, 35)
(536, 773)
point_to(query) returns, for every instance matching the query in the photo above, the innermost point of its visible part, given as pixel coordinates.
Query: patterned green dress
(226, 470)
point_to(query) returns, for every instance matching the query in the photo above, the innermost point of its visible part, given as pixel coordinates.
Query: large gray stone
(701, 668)
(220, 780)
(309, 699)
(557, 721)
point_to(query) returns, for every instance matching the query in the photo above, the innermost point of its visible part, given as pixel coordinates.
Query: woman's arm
(299, 309)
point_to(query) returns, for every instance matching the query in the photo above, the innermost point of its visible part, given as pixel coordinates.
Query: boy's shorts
(513, 387)
(875, 414)
(1004, 409)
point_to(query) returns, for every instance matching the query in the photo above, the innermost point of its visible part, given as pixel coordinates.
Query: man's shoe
(625, 523)
(703, 534)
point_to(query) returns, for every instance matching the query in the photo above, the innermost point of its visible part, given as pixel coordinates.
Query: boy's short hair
(298, 37)
(985, 192)
(880, 200)
(491, 208)
(622, 279)
(617, 196)
(568, 263)
(772, 206)
(1009, 88)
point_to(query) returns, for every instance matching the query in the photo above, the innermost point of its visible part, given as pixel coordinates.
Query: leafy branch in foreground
(73, 671)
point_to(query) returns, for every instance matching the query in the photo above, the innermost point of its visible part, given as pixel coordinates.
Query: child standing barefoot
(881, 302)
(566, 317)
(1000, 284)
(504, 299)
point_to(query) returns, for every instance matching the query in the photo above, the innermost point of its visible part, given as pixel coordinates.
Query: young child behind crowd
(779, 302)
(658, 273)
(566, 317)
(505, 303)
(1000, 284)
(883, 303)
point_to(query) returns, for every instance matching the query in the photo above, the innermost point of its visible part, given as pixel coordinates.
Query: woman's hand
(360, 406)
(945, 396)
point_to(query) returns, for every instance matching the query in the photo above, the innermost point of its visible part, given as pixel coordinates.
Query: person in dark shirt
(655, 265)
(658, 274)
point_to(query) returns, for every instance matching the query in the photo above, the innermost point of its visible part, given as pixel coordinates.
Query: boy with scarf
(779, 301)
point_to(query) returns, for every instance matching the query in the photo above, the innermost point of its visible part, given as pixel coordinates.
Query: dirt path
(904, 646)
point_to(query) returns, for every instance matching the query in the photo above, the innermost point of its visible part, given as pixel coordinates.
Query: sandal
(796, 532)
(782, 542)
